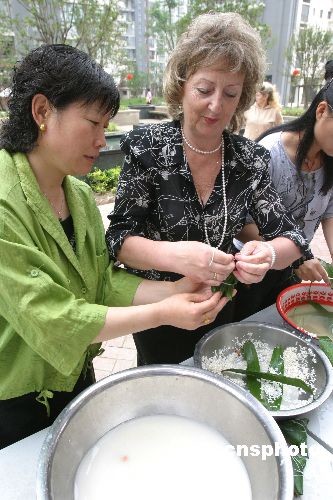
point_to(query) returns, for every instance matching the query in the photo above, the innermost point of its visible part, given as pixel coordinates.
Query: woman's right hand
(191, 310)
(202, 263)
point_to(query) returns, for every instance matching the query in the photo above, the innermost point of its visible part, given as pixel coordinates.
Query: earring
(180, 107)
(42, 127)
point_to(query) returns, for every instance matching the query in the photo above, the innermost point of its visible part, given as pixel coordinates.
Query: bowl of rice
(308, 307)
(222, 348)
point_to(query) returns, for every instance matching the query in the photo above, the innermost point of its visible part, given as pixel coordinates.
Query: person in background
(60, 294)
(148, 96)
(301, 167)
(186, 185)
(264, 114)
(328, 70)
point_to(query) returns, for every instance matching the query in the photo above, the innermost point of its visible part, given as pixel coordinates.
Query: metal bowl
(225, 336)
(171, 390)
(300, 294)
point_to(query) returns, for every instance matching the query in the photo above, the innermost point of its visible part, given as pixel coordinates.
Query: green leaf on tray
(276, 366)
(321, 309)
(296, 382)
(326, 345)
(250, 355)
(227, 286)
(328, 267)
(295, 433)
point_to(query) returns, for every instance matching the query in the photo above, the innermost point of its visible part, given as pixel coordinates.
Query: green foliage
(251, 10)
(103, 181)
(7, 46)
(112, 127)
(308, 50)
(287, 111)
(92, 26)
(138, 83)
(161, 16)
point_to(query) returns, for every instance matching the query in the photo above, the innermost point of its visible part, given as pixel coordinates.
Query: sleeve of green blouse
(120, 287)
(36, 305)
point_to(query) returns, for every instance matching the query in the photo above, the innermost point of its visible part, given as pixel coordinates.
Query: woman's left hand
(253, 262)
(312, 270)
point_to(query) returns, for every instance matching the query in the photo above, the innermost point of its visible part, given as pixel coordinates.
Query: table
(18, 462)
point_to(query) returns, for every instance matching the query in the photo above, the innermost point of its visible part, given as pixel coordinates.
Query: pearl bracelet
(273, 252)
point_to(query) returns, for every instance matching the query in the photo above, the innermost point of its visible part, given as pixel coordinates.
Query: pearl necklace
(224, 204)
(200, 151)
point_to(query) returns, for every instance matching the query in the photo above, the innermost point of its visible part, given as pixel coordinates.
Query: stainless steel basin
(171, 390)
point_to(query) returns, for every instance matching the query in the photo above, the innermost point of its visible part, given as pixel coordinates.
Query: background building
(286, 17)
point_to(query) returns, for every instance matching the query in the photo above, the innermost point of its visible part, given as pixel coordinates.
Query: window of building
(321, 13)
(329, 14)
(305, 13)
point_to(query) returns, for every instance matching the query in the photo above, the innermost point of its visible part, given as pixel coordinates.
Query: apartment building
(286, 17)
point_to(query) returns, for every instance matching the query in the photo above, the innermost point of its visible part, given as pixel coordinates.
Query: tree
(308, 50)
(251, 10)
(90, 25)
(7, 51)
(162, 23)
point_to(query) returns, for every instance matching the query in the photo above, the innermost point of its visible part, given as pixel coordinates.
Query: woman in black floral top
(187, 185)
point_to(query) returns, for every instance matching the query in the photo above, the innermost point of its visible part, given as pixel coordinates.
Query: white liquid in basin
(162, 457)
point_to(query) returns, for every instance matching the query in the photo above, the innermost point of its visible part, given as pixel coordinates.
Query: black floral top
(157, 199)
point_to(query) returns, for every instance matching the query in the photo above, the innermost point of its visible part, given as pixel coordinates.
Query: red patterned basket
(300, 294)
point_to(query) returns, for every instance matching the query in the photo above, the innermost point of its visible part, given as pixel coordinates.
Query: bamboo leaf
(296, 382)
(227, 286)
(276, 365)
(328, 267)
(321, 309)
(251, 357)
(326, 344)
(295, 432)
(299, 463)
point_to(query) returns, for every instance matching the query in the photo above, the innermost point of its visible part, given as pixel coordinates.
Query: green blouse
(53, 301)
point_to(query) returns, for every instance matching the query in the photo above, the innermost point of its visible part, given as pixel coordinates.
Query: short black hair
(63, 74)
(328, 70)
(305, 123)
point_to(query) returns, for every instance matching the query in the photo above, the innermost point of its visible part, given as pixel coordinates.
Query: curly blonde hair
(211, 39)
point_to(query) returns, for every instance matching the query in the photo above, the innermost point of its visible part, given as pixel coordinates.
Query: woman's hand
(312, 270)
(186, 285)
(191, 310)
(253, 262)
(202, 263)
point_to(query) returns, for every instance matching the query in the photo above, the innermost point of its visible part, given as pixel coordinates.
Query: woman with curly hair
(186, 185)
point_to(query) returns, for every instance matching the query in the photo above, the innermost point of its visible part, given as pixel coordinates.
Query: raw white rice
(297, 360)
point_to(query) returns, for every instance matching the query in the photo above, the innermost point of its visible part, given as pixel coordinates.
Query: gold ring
(207, 320)
(214, 276)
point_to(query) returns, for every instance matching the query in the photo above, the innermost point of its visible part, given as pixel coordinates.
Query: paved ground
(120, 353)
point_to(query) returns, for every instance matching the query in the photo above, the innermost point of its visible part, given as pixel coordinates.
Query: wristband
(273, 252)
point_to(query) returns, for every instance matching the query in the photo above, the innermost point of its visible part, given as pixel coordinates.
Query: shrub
(103, 181)
(292, 111)
(112, 127)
